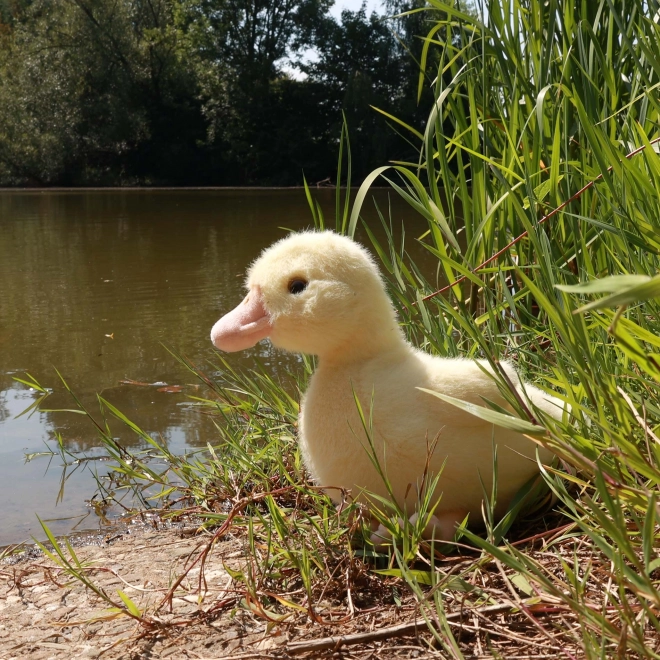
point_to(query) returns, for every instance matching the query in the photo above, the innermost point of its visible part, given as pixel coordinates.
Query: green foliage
(197, 92)
(363, 68)
(96, 91)
(533, 104)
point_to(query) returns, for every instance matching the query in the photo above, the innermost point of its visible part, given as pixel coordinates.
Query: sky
(354, 5)
(335, 10)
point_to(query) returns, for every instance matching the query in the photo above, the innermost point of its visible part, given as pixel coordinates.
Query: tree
(182, 92)
(252, 38)
(365, 68)
(96, 89)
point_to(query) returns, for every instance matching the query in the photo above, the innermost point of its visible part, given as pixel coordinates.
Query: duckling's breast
(359, 425)
(331, 434)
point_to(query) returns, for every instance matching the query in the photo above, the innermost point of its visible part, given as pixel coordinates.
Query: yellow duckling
(322, 294)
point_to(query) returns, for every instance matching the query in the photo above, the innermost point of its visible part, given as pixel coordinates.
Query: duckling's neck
(370, 331)
(382, 344)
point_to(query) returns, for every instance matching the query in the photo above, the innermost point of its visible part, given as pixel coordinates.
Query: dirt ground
(44, 614)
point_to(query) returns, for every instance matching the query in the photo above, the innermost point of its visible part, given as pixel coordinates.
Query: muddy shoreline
(45, 614)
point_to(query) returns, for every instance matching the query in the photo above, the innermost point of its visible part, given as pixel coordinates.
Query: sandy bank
(44, 614)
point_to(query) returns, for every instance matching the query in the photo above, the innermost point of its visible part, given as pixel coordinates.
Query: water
(94, 283)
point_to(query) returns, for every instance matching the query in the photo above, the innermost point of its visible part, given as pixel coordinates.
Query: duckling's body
(321, 293)
(405, 422)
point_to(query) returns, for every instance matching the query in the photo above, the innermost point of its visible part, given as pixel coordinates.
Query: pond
(98, 285)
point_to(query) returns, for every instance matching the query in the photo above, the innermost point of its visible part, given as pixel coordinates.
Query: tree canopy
(204, 92)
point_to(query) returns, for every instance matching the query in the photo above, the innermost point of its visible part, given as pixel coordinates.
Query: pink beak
(244, 326)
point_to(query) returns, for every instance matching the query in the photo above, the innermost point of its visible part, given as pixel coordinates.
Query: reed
(542, 149)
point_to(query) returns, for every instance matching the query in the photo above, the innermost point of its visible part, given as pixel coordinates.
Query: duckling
(321, 293)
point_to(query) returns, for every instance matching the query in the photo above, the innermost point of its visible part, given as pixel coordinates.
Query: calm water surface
(94, 284)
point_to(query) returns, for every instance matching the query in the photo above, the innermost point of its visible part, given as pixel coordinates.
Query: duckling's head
(313, 292)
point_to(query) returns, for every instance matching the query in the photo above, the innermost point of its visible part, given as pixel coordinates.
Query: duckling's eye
(297, 286)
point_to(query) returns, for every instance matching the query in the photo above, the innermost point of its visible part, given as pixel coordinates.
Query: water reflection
(94, 283)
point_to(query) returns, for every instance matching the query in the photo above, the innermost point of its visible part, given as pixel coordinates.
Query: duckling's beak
(244, 326)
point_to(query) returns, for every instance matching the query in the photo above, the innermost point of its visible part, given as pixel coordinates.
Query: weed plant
(540, 105)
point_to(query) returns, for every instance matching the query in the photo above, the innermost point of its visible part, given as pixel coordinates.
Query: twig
(356, 638)
(556, 531)
(525, 610)
(223, 529)
(640, 420)
(384, 633)
(252, 655)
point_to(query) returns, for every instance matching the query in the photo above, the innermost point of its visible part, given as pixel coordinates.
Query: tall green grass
(535, 100)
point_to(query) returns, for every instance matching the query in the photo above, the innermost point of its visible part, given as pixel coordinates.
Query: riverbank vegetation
(539, 174)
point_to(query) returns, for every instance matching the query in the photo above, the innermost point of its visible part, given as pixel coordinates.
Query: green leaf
(360, 197)
(541, 191)
(506, 421)
(130, 605)
(414, 131)
(612, 284)
(645, 291)
(522, 583)
(430, 578)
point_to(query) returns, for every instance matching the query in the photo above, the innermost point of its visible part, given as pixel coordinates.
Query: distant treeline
(201, 92)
